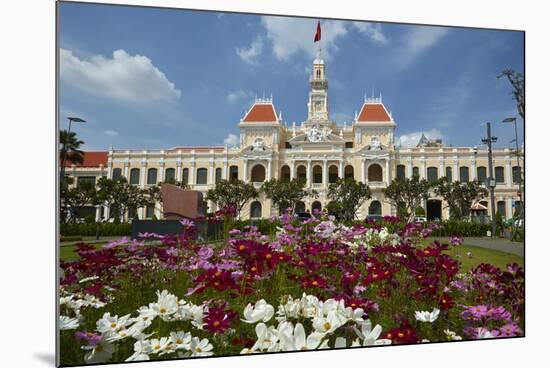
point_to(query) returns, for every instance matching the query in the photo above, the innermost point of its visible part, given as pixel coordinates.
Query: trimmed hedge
(106, 229)
(461, 228)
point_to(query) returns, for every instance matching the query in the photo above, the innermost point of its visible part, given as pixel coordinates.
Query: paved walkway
(502, 245)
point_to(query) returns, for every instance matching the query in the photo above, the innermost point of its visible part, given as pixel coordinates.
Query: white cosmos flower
(109, 325)
(68, 323)
(166, 305)
(268, 337)
(330, 323)
(291, 309)
(161, 346)
(451, 335)
(142, 349)
(201, 347)
(196, 315)
(370, 335)
(99, 353)
(341, 342)
(180, 340)
(93, 301)
(424, 316)
(483, 333)
(261, 311)
(295, 340)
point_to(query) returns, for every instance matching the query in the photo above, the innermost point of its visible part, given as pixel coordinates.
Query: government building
(319, 150)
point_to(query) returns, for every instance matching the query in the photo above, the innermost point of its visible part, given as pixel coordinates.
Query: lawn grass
(67, 251)
(482, 255)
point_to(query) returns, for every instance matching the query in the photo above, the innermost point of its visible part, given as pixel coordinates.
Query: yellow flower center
(327, 326)
(162, 310)
(314, 283)
(218, 274)
(303, 348)
(156, 347)
(253, 269)
(242, 247)
(179, 341)
(198, 350)
(400, 334)
(113, 325)
(216, 323)
(268, 256)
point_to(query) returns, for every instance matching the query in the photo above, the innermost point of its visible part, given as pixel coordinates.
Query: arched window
(416, 171)
(374, 173)
(202, 175)
(170, 175)
(134, 176)
(151, 176)
(185, 177)
(316, 206)
(464, 174)
(218, 174)
(432, 174)
(482, 174)
(400, 172)
(348, 172)
(375, 208)
(301, 172)
(117, 173)
(317, 174)
(449, 173)
(285, 173)
(499, 174)
(516, 174)
(258, 174)
(233, 172)
(501, 208)
(300, 207)
(318, 74)
(255, 209)
(332, 174)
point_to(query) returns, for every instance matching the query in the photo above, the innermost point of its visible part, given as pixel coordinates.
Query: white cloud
(417, 41)
(373, 31)
(293, 35)
(110, 132)
(239, 95)
(131, 78)
(250, 54)
(231, 140)
(411, 139)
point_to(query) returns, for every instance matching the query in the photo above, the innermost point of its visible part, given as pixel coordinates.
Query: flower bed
(316, 285)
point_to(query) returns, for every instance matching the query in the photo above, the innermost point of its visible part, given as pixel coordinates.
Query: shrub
(70, 238)
(461, 228)
(89, 229)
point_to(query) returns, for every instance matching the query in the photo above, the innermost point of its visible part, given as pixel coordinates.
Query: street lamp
(491, 180)
(71, 119)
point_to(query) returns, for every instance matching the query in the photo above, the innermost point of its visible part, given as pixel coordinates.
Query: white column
(142, 174)
(308, 174)
(224, 170)
(269, 169)
(474, 170)
(441, 168)
(292, 169)
(245, 170)
(97, 213)
(455, 174)
(325, 173)
(508, 173)
(127, 170)
(178, 171)
(409, 168)
(387, 172)
(341, 169)
(210, 179)
(192, 173)
(161, 173)
(363, 171)
(423, 168)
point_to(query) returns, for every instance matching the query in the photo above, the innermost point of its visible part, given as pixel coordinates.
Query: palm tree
(70, 148)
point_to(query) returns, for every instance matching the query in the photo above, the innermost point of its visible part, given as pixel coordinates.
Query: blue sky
(147, 78)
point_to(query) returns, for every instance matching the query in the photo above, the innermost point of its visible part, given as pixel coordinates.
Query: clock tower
(318, 96)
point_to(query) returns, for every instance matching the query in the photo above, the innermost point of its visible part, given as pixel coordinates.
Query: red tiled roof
(373, 112)
(261, 113)
(91, 159)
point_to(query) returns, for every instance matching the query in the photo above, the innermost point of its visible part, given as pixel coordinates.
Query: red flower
(218, 319)
(446, 302)
(404, 334)
(313, 281)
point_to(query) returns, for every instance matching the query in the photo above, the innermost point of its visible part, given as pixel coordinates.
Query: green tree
(69, 149)
(121, 197)
(351, 194)
(235, 193)
(459, 196)
(286, 193)
(517, 80)
(406, 194)
(74, 198)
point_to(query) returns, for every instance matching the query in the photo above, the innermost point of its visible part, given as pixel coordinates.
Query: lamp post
(71, 119)
(491, 180)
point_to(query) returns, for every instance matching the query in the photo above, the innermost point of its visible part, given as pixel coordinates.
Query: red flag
(318, 33)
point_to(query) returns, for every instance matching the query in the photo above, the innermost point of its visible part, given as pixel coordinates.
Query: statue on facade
(375, 144)
(259, 145)
(316, 134)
